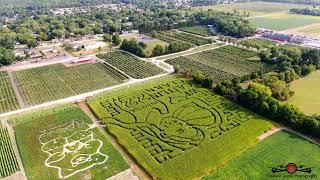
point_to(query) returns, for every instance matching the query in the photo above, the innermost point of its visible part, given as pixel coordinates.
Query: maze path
(173, 117)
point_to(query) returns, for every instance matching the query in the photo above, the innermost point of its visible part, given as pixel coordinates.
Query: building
(81, 60)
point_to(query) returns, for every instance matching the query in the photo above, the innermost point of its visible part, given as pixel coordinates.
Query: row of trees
(263, 91)
(306, 11)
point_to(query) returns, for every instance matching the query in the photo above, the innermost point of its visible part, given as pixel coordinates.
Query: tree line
(263, 92)
(306, 11)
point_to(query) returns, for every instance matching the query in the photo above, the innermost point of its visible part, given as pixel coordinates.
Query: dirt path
(277, 129)
(140, 172)
(127, 175)
(269, 133)
(16, 89)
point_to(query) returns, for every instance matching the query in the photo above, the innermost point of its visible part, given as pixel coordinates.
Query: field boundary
(79, 97)
(138, 169)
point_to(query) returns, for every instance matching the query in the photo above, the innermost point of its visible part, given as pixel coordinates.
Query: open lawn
(57, 81)
(312, 30)
(255, 8)
(280, 148)
(149, 41)
(59, 143)
(198, 30)
(177, 130)
(284, 21)
(8, 101)
(306, 95)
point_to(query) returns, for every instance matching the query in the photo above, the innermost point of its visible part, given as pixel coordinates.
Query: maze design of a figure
(71, 148)
(172, 118)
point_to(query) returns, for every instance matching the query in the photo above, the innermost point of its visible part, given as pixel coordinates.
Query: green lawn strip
(280, 148)
(29, 127)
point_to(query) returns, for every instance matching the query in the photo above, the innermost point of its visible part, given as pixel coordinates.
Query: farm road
(28, 65)
(141, 173)
(16, 89)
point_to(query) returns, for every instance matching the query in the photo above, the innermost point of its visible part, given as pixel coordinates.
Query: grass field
(198, 30)
(255, 8)
(131, 65)
(176, 130)
(280, 148)
(59, 143)
(8, 160)
(312, 30)
(220, 63)
(57, 81)
(8, 101)
(284, 21)
(306, 93)
(151, 42)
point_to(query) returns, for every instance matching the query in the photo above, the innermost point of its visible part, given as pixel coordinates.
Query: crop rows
(8, 160)
(57, 81)
(258, 43)
(169, 39)
(198, 30)
(131, 65)
(222, 64)
(232, 61)
(8, 101)
(216, 74)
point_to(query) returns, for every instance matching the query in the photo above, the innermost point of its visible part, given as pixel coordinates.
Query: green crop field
(60, 143)
(284, 21)
(176, 130)
(258, 43)
(280, 148)
(198, 30)
(255, 8)
(306, 93)
(57, 81)
(221, 63)
(8, 160)
(131, 65)
(8, 101)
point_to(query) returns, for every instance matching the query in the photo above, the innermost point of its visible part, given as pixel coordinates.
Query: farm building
(81, 60)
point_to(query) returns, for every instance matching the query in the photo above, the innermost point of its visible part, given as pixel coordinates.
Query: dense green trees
(132, 46)
(306, 11)
(6, 56)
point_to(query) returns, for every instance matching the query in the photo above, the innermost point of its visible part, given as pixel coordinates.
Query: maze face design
(71, 148)
(173, 117)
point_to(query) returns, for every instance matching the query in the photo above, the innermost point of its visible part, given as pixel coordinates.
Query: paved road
(28, 65)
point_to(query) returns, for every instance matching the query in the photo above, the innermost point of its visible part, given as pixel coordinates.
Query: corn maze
(169, 120)
(131, 65)
(8, 101)
(221, 61)
(8, 160)
(57, 81)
